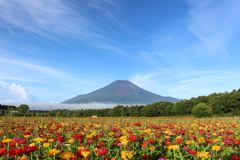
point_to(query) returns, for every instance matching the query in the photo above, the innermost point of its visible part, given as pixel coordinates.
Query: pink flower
(186, 149)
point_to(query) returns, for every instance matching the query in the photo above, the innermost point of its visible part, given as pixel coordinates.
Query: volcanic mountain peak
(120, 92)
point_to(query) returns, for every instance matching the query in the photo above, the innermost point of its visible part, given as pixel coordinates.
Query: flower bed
(119, 139)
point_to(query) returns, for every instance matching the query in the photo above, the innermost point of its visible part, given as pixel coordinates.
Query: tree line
(222, 104)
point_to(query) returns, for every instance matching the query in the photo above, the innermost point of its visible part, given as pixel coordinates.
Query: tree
(180, 108)
(202, 110)
(23, 108)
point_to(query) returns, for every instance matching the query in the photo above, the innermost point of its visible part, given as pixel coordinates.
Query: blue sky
(51, 51)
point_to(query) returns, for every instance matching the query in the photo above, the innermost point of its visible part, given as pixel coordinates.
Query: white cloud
(15, 92)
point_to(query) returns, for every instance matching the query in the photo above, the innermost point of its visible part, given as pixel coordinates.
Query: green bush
(202, 110)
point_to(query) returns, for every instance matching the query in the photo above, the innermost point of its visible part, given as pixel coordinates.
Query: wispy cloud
(144, 80)
(25, 68)
(197, 83)
(31, 71)
(60, 21)
(213, 23)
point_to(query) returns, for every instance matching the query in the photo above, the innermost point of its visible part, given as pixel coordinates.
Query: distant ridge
(120, 92)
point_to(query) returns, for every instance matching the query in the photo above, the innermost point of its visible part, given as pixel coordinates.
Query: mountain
(120, 92)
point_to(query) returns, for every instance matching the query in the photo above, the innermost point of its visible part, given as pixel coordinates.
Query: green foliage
(202, 110)
(23, 108)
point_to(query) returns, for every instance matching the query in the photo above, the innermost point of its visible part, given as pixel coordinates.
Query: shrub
(202, 110)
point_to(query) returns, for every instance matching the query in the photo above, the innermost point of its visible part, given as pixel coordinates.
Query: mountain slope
(120, 92)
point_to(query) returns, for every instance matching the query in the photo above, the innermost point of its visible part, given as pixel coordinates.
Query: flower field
(160, 138)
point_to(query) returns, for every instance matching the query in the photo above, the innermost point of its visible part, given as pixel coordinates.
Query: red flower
(237, 142)
(137, 123)
(209, 141)
(133, 138)
(193, 137)
(144, 157)
(3, 151)
(229, 133)
(144, 145)
(102, 151)
(114, 129)
(151, 141)
(61, 139)
(179, 141)
(192, 152)
(22, 150)
(158, 135)
(90, 141)
(77, 136)
(101, 144)
(117, 135)
(24, 141)
(13, 144)
(235, 157)
(168, 141)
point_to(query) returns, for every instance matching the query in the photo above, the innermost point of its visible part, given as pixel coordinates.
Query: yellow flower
(51, 140)
(67, 155)
(53, 152)
(147, 130)
(39, 139)
(83, 147)
(214, 134)
(32, 144)
(71, 140)
(22, 158)
(46, 144)
(89, 136)
(203, 155)
(152, 148)
(167, 136)
(189, 142)
(111, 133)
(127, 154)
(124, 140)
(85, 153)
(194, 125)
(7, 140)
(93, 133)
(167, 132)
(174, 147)
(27, 136)
(217, 140)
(200, 140)
(216, 148)
(124, 131)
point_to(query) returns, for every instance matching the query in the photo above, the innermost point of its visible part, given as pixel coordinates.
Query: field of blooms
(159, 138)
